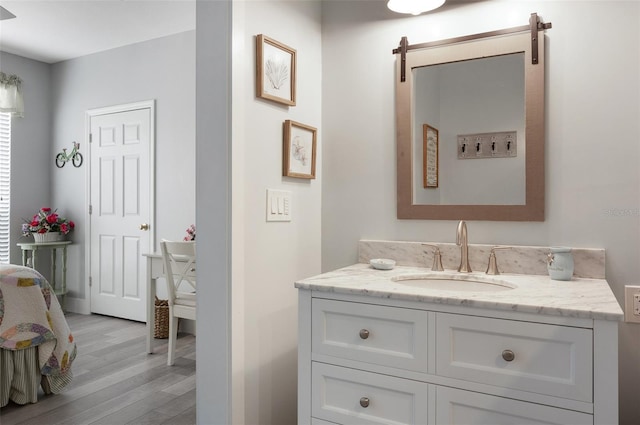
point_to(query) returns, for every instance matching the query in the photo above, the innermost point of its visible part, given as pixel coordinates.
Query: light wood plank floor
(116, 382)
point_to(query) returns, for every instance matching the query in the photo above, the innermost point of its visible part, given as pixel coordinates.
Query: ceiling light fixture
(414, 7)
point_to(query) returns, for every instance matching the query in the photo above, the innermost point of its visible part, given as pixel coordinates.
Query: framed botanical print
(275, 71)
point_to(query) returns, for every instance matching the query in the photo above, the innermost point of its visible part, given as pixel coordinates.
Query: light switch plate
(278, 205)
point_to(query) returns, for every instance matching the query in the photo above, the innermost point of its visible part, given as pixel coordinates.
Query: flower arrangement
(45, 221)
(191, 233)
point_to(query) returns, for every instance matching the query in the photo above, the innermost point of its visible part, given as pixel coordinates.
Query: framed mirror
(484, 98)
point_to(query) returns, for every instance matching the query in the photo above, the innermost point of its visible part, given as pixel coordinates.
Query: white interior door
(121, 210)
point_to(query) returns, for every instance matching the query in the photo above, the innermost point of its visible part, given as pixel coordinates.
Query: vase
(48, 237)
(560, 263)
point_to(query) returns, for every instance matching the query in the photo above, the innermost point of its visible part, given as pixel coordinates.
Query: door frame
(90, 113)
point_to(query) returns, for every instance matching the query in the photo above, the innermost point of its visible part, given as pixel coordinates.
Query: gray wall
(31, 152)
(592, 133)
(163, 70)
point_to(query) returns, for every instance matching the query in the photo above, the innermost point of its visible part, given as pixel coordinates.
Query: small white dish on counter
(382, 263)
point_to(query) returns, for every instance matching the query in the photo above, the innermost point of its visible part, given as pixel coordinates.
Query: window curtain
(11, 95)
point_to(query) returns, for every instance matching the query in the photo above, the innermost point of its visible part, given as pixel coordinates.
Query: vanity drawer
(388, 336)
(534, 357)
(470, 408)
(350, 396)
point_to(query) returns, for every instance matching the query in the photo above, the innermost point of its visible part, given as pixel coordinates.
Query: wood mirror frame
(462, 49)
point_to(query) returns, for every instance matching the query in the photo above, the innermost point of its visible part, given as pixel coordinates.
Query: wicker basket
(48, 237)
(161, 323)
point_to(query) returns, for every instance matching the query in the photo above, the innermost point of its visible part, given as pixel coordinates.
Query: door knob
(144, 226)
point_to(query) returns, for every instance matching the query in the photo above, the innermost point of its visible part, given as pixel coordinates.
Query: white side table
(33, 248)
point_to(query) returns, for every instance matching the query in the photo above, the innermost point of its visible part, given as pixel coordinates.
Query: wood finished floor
(116, 382)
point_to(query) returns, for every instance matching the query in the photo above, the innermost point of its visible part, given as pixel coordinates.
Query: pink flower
(47, 220)
(191, 233)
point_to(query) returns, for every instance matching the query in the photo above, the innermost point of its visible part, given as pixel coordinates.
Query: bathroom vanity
(395, 347)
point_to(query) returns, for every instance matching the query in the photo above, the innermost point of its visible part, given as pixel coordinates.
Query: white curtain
(11, 95)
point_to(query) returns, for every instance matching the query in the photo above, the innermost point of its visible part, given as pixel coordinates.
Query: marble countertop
(538, 294)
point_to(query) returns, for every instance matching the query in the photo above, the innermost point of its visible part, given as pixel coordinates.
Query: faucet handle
(437, 258)
(492, 267)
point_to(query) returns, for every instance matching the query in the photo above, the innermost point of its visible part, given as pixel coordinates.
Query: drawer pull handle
(364, 402)
(508, 355)
(364, 334)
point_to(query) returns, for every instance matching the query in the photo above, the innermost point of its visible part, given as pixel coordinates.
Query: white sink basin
(455, 282)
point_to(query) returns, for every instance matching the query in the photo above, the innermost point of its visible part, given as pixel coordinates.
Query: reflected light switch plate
(278, 205)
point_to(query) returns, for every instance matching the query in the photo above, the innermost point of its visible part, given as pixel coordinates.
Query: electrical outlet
(632, 304)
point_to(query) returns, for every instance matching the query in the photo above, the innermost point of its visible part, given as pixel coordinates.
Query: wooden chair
(180, 270)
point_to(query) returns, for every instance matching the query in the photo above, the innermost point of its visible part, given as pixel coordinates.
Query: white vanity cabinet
(375, 360)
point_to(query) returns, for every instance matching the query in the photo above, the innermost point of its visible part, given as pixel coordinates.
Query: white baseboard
(77, 305)
(188, 326)
(81, 306)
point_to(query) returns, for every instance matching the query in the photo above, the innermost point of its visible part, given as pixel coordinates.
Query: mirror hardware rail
(535, 25)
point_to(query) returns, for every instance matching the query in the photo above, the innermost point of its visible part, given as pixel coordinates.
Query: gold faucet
(492, 267)
(462, 241)
(437, 258)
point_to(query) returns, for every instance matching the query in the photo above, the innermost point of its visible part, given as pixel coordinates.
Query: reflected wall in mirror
(470, 97)
(486, 85)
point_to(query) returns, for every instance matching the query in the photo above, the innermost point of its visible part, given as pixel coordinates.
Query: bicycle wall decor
(75, 156)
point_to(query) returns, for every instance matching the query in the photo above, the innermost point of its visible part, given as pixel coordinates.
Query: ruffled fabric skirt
(20, 377)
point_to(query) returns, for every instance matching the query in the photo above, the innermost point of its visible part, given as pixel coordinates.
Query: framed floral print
(299, 150)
